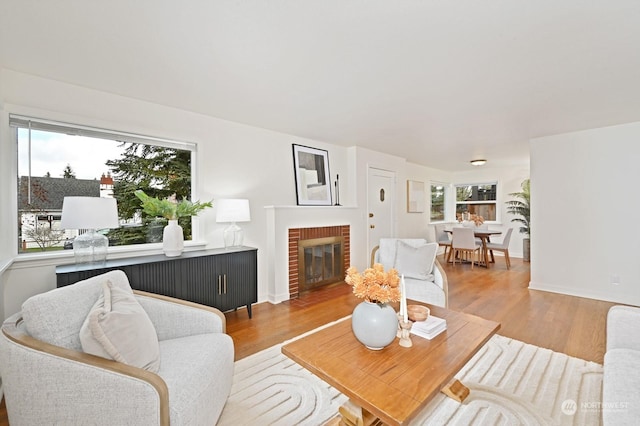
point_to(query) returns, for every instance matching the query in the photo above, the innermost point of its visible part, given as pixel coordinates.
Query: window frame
(479, 202)
(16, 121)
(445, 206)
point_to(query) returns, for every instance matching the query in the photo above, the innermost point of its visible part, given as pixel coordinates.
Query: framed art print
(415, 196)
(311, 168)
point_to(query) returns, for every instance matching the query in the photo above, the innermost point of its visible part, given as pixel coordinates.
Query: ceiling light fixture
(480, 162)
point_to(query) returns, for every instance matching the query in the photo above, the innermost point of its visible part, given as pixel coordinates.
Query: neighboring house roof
(47, 193)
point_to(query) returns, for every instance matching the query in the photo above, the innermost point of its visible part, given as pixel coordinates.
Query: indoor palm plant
(171, 209)
(521, 207)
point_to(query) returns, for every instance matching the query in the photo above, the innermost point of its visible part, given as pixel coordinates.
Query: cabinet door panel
(196, 281)
(157, 277)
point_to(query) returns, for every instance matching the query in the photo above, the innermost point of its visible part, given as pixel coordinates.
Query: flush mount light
(480, 162)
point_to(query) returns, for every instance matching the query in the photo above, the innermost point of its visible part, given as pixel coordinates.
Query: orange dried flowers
(374, 284)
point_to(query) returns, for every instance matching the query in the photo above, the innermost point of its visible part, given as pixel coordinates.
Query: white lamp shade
(89, 213)
(233, 210)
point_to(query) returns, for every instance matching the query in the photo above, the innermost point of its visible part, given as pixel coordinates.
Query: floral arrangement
(170, 208)
(478, 220)
(374, 284)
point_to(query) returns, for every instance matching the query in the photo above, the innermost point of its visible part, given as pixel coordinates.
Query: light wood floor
(572, 325)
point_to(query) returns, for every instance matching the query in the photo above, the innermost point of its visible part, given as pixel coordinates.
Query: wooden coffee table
(392, 385)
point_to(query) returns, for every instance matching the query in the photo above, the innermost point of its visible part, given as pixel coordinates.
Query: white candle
(403, 300)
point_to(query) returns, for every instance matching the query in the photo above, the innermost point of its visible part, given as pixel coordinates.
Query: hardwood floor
(573, 325)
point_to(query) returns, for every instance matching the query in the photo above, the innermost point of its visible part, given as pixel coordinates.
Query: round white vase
(172, 239)
(374, 325)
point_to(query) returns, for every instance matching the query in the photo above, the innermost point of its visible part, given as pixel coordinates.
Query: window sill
(64, 257)
(5, 264)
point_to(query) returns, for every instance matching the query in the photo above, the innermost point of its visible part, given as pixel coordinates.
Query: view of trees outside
(437, 203)
(63, 165)
(159, 172)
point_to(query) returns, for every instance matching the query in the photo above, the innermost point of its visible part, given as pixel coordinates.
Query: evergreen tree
(159, 172)
(68, 173)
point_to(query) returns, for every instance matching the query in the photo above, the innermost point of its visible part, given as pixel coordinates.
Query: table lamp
(89, 214)
(233, 210)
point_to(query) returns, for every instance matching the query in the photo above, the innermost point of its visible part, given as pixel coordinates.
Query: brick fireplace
(331, 241)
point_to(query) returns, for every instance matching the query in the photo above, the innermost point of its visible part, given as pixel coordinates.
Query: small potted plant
(521, 207)
(171, 209)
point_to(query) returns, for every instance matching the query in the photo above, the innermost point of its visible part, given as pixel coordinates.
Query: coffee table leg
(354, 415)
(456, 390)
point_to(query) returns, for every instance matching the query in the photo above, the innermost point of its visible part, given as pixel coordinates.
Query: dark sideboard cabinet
(223, 278)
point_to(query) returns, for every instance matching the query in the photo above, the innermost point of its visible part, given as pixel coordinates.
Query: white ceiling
(437, 82)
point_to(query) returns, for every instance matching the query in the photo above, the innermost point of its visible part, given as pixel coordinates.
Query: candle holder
(404, 333)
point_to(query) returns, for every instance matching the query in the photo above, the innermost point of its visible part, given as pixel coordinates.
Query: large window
(438, 202)
(58, 159)
(478, 199)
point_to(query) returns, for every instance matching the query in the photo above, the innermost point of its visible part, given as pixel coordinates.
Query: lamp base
(233, 236)
(90, 247)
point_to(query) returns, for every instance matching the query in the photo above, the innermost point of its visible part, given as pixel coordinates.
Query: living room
(582, 164)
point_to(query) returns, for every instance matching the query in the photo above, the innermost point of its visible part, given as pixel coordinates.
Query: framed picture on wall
(415, 196)
(311, 169)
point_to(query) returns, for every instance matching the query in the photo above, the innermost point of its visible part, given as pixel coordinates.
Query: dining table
(484, 234)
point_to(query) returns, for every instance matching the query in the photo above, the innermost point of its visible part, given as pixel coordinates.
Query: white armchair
(425, 279)
(48, 379)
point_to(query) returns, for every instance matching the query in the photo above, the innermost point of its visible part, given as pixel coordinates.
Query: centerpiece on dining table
(374, 322)
(469, 219)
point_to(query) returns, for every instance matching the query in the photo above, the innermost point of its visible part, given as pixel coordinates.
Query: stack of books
(429, 328)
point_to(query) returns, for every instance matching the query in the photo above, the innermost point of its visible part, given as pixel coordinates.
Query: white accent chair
(503, 247)
(48, 379)
(415, 258)
(464, 244)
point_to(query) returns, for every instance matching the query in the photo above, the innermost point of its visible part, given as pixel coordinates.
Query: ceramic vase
(172, 239)
(374, 325)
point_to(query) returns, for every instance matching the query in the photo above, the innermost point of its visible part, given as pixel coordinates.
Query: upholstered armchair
(49, 379)
(415, 258)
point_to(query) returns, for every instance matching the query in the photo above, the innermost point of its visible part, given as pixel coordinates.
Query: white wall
(234, 160)
(584, 200)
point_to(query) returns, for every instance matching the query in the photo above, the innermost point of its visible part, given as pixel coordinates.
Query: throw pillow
(416, 262)
(118, 328)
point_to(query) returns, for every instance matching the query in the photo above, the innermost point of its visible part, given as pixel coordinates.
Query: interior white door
(380, 206)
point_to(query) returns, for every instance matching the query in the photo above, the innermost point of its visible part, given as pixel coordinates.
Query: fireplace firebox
(317, 256)
(320, 262)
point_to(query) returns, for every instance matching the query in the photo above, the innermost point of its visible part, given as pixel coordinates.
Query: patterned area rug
(511, 383)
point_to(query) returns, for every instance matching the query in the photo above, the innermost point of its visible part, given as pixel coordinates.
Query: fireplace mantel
(282, 218)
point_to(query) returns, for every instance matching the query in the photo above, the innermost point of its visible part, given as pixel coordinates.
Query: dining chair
(442, 238)
(503, 247)
(464, 243)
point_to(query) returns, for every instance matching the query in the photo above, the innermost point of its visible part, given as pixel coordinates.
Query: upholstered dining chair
(503, 247)
(464, 244)
(442, 238)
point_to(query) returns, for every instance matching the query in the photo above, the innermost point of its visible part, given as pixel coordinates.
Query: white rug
(511, 383)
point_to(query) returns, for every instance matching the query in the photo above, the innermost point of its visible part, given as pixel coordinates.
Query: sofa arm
(440, 279)
(623, 328)
(175, 318)
(86, 387)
